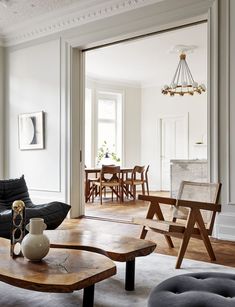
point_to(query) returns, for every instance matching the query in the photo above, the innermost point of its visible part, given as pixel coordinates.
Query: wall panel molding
(224, 101)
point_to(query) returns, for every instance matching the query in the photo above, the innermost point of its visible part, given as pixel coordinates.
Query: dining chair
(146, 180)
(109, 178)
(137, 178)
(90, 188)
(89, 184)
(193, 216)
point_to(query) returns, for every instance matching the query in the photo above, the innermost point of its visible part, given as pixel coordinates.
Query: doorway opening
(127, 115)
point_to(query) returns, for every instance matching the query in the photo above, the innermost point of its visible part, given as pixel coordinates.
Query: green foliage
(104, 151)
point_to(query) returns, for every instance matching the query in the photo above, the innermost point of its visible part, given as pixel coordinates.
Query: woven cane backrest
(196, 191)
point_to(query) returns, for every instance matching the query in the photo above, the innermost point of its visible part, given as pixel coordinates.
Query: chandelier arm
(189, 73)
(188, 79)
(184, 73)
(175, 75)
(179, 72)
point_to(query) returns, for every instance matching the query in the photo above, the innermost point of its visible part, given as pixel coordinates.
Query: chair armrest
(158, 199)
(199, 205)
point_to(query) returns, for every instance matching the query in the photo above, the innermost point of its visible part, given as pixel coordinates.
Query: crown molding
(53, 23)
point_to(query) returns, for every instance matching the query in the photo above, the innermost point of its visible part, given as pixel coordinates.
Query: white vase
(35, 244)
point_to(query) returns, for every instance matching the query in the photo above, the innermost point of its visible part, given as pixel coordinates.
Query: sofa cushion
(16, 189)
(53, 213)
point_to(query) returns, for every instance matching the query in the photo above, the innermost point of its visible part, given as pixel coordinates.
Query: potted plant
(106, 156)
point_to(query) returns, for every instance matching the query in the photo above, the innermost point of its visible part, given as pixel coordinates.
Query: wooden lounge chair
(194, 215)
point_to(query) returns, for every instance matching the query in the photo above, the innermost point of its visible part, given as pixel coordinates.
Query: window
(103, 124)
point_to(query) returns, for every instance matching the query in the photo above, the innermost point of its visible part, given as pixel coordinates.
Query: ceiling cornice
(52, 23)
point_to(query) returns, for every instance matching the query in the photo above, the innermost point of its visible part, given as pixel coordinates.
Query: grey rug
(150, 271)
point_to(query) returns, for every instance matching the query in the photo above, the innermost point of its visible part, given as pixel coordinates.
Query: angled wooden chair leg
(185, 240)
(92, 196)
(143, 190)
(204, 235)
(101, 193)
(147, 186)
(143, 233)
(128, 191)
(134, 191)
(169, 241)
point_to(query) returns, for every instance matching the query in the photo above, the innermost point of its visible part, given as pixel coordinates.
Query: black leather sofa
(53, 213)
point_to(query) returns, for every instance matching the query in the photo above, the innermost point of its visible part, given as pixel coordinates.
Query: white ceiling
(149, 61)
(14, 12)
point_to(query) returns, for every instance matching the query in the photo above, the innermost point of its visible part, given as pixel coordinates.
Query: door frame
(185, 116)
(156, 17)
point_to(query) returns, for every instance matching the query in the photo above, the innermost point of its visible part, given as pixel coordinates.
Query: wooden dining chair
(193, 216)
(110, 177)
(137, 178)
(146, 180)
(90, 189)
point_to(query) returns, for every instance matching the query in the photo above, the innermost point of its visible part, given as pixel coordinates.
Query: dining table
(94, 172)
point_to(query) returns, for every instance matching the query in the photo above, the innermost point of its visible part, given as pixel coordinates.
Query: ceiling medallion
(183, 82)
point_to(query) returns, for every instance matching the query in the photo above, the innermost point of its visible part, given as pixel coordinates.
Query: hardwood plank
(122, 215)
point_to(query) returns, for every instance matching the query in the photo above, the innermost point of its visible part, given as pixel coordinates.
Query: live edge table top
(62, 270)
(117, 248)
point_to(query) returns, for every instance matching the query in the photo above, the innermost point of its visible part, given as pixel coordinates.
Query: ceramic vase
(35, 244)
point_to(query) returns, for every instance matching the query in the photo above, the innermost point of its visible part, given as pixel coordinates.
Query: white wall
(156, 105)
(1, 112)
(132, 126)
(34, 85)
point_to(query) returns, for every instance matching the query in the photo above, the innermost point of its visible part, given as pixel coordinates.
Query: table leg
(88, 296)
(130, 275)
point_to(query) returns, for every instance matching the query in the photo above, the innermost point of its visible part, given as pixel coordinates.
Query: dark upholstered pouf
(16, 189)
(195, 290)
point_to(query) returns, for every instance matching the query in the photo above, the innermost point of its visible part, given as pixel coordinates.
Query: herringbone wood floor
(115, 218)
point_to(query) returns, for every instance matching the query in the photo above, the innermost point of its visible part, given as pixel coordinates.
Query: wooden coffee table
(62, 270)
(117, 248)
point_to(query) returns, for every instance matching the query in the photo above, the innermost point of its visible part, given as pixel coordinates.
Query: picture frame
(31, 130)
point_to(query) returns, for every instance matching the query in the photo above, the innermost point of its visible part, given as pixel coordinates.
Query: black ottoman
(195, 290)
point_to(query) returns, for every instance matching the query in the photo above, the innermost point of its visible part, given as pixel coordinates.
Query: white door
(174, 144)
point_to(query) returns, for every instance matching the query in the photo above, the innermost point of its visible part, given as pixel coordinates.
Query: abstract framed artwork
(31, 131)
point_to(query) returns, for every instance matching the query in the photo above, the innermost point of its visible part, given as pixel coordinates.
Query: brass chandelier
(183, 82)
